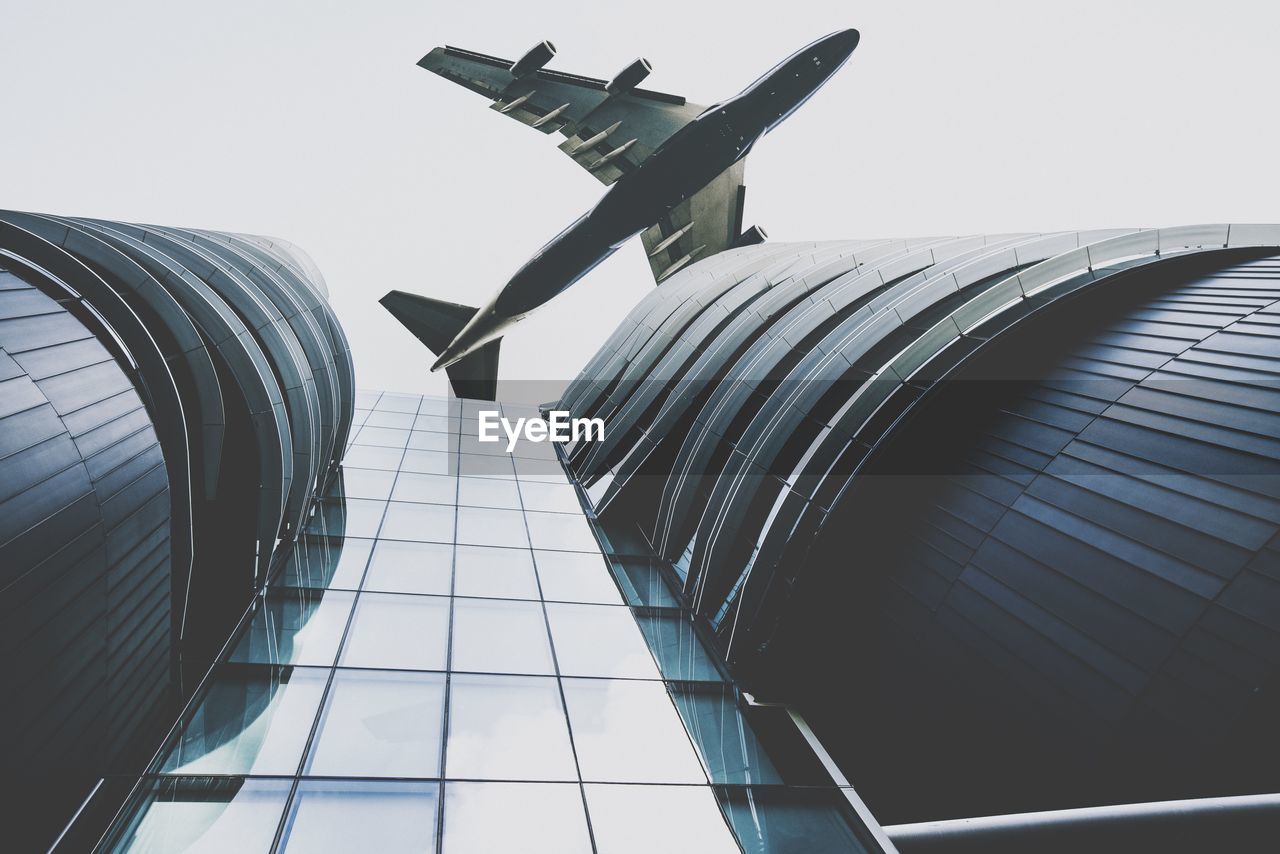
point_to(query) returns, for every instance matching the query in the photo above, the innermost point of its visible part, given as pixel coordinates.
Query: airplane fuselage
(679, 168)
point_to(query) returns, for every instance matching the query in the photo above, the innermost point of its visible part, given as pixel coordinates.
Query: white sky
(310, 121)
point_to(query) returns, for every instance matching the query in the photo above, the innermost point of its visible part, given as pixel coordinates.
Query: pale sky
(310, 121)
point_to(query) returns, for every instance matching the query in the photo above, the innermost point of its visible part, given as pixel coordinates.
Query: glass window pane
(207, 815)
(386, 437)
(435, 424)
(250, 721)
(428, 462)
(643, 583)
(488, 492)
(492, 571)
(599, 640)
(370, 457)
(482, 526)
(318, 561)
(508, 728)
(403, 567)
(342, 816)
(403, 632)
(421, 440)
(562, 531)
(500, 636)
(730, 751)
(645, 819)
(296, 627)
(352, 517)
(576, 577)
(484, 465)
(380, 724)
(428, 488)
(677, 647)
(553, 497)
(398, 402)
(383, 418)
(422, 522)
(487, 817)
(629, 732)
(362, 483)
(547, 471)
(778, 820)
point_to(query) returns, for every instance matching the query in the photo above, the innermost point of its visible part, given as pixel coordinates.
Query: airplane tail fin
(436, 323)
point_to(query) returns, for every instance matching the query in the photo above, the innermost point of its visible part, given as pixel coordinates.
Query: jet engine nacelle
(753, 235)
(629, 77)
(539, 55)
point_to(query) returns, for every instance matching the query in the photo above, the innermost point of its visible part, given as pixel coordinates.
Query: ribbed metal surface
(84, 539)
(171, 402)
(742, 395)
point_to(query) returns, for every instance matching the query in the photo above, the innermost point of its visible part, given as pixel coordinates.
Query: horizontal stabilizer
(436, 323)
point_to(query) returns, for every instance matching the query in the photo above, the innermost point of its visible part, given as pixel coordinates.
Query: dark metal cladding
(744, 399)
(171, 403)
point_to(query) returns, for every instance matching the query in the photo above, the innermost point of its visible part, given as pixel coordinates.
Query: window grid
(379, 414)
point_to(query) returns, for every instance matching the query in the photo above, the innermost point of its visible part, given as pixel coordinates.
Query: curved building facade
(170, 403)
(1030, 478)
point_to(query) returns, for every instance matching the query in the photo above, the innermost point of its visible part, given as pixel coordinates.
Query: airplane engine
(629, 77)
(538, 56)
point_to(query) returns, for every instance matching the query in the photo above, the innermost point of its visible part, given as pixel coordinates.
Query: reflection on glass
(535, 817)
(730, 751)
(500, 636)
(318, 561)
(576, 577)
(422, 522)
(599, 640)
(628, 732)
(642, 583)
(677, 647)
(202, 816)
(554, 497)
(483, 526)
(362, 483)
(493, 571)
(250, 721)
(777, 820)
(561, 531)
(296, 627)
(406, 632)
(507, 728)
(342, 816)
(380, 724)
(370, 457)
(404, 567)
(488, 492)
(426, 488)
(352, 517)
(645, 819)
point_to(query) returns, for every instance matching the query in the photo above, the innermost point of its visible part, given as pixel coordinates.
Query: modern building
(170, 400)
(881, 534)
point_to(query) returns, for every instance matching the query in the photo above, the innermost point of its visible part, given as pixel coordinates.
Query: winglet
(436, 323)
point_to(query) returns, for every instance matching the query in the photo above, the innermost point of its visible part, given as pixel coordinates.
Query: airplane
(674, 171)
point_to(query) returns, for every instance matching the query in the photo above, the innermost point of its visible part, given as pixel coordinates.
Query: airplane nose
(843, 42)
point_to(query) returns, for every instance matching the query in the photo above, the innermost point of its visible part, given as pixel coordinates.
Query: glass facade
(452, 659)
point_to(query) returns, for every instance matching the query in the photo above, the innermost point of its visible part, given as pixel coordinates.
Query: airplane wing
(707, 222)
(611, 126)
